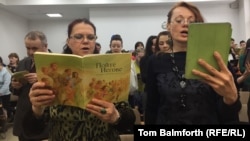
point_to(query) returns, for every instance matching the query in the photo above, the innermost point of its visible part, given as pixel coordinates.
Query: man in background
(34, 41)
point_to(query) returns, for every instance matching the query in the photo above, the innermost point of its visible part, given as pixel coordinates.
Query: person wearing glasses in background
(34, 41)
(172, 99)
(100, 121)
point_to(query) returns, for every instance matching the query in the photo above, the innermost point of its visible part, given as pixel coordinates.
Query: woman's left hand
(221, 81)
(104, 110)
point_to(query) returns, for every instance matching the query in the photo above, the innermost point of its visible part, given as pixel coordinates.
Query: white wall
(56, 32)
(138, 23)
(132, 23)
(12, 31)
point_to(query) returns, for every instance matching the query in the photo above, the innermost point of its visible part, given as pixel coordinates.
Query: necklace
(182, 82)
(181, 78)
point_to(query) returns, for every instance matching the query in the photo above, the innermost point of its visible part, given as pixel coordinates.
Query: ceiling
(71, 9)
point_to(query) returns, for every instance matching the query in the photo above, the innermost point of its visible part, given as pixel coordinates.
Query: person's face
(153, 45)
(179, 24)
(98, 48)
(13, 60)
(140, 46)
(243, 44)
(82, 40)
(116, 46)
(33, 46)
(139, 55)
(54, 66)
(163, 43)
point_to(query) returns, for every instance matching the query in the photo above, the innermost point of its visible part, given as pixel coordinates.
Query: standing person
(98, 48)
(172, 99)
(116, 45)
(13, 62)
(5, 78)
(138, 45)
(149, 50)
(244, 79)
(34, 41)
(101, 121)
(162, 44)
(138, 94)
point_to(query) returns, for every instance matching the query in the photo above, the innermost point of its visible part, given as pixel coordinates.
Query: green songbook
(203, 40)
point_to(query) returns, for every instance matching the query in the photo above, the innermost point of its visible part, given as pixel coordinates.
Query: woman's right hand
(40, 97)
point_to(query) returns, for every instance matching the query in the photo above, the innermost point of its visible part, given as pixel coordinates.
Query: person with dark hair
(100, 121)
(5, 78)
(244, 79)
(98, 48)
(139, 44)
(116, 45)
(162, 44)
(149, 50)
(242, 47)
(34, 41)
(13, 62)
(173, 99)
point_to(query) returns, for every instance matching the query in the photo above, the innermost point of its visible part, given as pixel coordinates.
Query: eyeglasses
(181, 20)
(80, 37)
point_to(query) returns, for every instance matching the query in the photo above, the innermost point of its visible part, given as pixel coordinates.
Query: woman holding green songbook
(100, 121)
(173, 99)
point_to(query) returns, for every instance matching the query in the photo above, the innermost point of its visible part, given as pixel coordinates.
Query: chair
(127, 137)
(244, 95)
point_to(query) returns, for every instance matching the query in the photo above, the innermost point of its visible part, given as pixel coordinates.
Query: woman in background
(244, 79)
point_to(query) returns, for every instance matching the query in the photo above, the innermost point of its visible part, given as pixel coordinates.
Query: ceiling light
(54, 15)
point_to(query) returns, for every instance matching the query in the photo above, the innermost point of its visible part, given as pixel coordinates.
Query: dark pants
(5, 100)
(22, 138)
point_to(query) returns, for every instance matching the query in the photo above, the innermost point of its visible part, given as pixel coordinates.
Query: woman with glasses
(173, 99)
(101, 121)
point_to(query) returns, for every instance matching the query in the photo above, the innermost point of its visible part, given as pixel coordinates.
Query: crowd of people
(158, 87)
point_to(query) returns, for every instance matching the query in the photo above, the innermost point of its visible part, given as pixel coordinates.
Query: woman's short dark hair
(116, 37)
(138, 44)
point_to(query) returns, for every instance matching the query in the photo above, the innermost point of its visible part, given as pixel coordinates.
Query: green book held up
(75, 80)
(203, 40)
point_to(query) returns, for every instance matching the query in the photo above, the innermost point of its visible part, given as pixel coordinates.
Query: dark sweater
(203, 104)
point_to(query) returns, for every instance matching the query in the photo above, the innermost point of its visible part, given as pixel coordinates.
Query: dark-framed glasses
(80, 37)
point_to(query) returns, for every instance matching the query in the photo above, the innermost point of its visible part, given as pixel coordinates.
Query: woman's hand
(40, 97)
(104, 110)
(221, 81)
